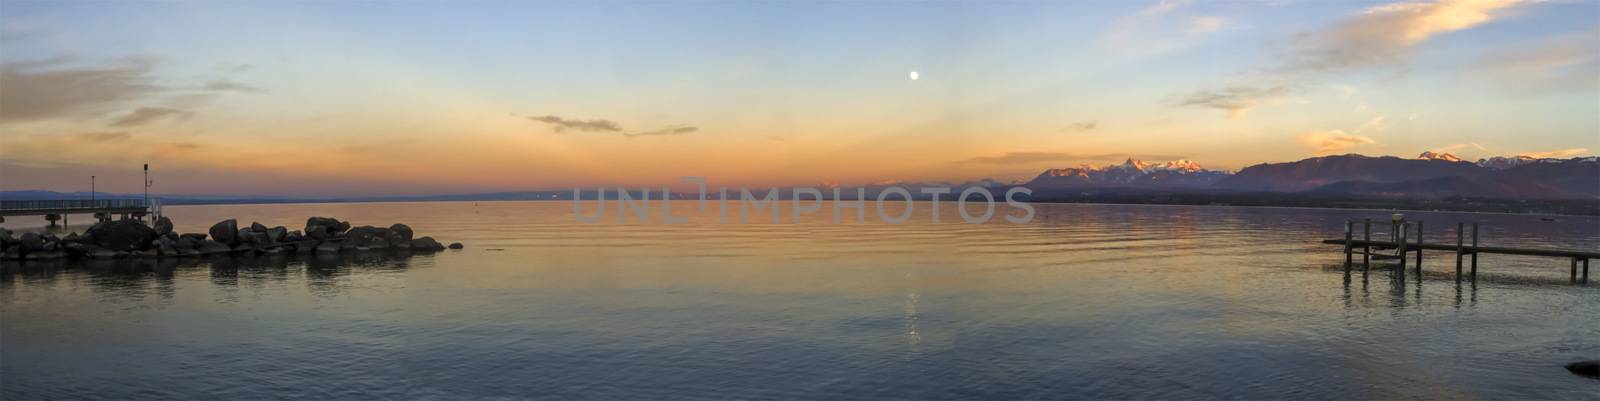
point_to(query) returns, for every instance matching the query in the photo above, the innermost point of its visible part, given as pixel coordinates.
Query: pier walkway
(1399, 247)
(54, 210)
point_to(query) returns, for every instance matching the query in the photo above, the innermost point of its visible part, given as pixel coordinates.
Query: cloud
(53, 88)
(1566, 63)
(230, 86)
(234, 67)
(1048, 157)
(101, 137)
(1378, 123)
(1235, 100)
(1556, 153)
(674, 130)
(1387, 33)
(143, 115)
(1083, 126)
(1159, 28)
(1333, 141)
(1459, 147)
(559, 124)
(1379, 35)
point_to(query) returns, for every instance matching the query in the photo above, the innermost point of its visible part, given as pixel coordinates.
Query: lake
(1085, 301)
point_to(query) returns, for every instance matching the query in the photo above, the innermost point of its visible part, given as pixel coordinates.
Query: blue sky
(420, 97)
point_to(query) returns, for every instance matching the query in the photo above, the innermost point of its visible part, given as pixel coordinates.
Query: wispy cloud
(1557, 153)
(675, 130)
(1083, 126)
(1054, 157)
(1159, 28)
(143, 115)
(559, 124)
(56, 88)
(1333, 141)
(230, 86)
(101, 137)
(1235, 100)
(1566, 63)
(1460, 147)
(1387, 33)
(1378, 123)
(1380, 35)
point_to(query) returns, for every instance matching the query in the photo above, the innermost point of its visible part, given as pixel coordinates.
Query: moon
(913, 75)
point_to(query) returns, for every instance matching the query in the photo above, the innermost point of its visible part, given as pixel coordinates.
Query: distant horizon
(679, 186)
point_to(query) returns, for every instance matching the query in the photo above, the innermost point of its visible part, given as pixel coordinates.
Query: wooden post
(1419, 248)
(1400, 245)
(1586, 271)
(1461, 234)
(1474, 251)
(1349, 231)
(1366, 250)
(1574, 269)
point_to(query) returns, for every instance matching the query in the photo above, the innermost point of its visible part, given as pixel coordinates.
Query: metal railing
(16, 205)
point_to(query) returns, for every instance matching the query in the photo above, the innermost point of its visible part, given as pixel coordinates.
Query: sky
(403, 98)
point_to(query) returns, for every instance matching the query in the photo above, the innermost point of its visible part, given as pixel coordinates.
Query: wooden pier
(53, 210)
(1398, 247)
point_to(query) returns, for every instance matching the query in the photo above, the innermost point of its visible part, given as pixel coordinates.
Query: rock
(165, 246)
(10, 254)
(403, 230)
(30, 243)
(277, 234)
(88, 251)
(258, 227)
(194, 236)
(185, 243)
(1585, 368)
(163, 225)
(293, 236)
(122, 235)
(74, 237)
(305, 246)
(208, 247)
(393, 237)
(456, 245)
(321, 228)
(426, 244)
(225, 231)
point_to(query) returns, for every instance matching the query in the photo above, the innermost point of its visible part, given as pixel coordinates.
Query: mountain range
(1429, 176)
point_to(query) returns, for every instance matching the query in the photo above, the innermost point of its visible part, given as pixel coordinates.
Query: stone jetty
(133, 238)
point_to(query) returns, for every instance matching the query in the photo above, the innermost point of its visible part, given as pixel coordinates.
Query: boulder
(293, 236)
(43, 255)
(164, 246)
(30, 243)
(186, 244)
(194, 236)
(122, 235)
(1585, 368)
(277, 234)
(426, 244)
(225, 231)
(403, 230)
(208, 247)
(258, 227)
(321, 228)
(163, 225)
(456, 245)
(10, 254)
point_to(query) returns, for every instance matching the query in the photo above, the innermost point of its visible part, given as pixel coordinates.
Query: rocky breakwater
(132, 238)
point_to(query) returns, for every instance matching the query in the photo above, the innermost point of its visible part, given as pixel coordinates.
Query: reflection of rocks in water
(137, 278)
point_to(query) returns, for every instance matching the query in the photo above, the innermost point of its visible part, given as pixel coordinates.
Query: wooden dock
(1398, 247)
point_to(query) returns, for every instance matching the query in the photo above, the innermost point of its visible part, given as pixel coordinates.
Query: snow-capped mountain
(1130, 173)
(1505, 162)
(1430, 155)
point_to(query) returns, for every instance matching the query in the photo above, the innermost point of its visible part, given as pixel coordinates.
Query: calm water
(1089, 301)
